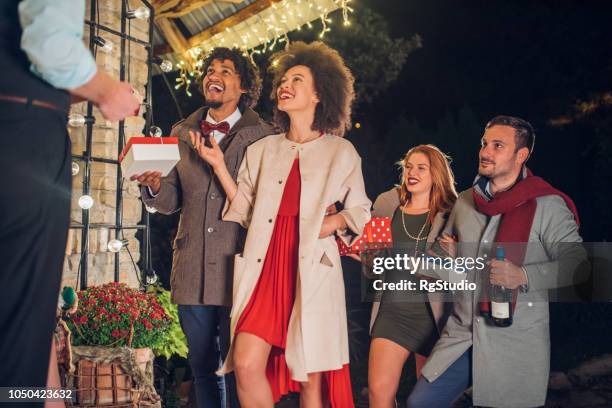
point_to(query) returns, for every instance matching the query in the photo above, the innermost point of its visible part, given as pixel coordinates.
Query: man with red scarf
(538, 227)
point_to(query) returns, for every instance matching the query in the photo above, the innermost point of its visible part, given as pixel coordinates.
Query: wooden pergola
(243, 28)
(167, 10)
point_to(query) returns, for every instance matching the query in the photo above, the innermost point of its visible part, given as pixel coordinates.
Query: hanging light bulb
(78, 120)
(115, 245)
(155, 131)
(105, 45)
(151, 277)
(164, 65)
(150, 210)
(141, 13)
(75, 168)
(86, 202)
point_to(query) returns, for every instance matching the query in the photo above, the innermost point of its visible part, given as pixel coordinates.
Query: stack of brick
(103, 182)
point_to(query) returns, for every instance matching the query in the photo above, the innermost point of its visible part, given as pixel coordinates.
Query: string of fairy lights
(263, 32)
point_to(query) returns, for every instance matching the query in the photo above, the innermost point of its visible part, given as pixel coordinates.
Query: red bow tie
(208, 127)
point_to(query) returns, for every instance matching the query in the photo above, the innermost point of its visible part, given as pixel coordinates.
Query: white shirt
(231, 120)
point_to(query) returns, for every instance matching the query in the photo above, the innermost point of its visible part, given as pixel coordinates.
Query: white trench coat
(330, 169)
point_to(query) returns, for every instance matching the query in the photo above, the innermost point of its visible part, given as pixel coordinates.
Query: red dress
(269, 309)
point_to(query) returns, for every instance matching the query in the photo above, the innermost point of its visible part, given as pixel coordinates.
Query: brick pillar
(103, 176)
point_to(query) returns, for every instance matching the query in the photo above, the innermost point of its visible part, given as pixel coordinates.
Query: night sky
(529, 59)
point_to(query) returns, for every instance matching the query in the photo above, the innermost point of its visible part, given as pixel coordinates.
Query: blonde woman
(418, 208)
(289, 323)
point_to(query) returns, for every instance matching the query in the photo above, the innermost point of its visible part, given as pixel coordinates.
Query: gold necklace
(418, 238)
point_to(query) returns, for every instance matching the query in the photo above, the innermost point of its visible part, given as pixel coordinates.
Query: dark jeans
(207, 332)
(34, 216)
(446, 388)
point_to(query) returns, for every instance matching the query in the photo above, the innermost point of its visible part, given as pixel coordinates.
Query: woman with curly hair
(403, 325)
(289, 325)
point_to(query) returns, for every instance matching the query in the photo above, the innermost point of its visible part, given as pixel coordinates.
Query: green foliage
(116, 315)
(375, 59)
(373, 56)
(174, 342)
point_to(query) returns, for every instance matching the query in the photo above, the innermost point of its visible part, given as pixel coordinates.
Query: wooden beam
(161, 49)
(173, 35)
(177, 8)
(252, 9)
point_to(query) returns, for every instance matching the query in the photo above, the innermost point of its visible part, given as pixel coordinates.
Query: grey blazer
(384, 206)
(510, 365)
(202, 264)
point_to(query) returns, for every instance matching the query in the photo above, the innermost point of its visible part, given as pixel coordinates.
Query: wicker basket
(112, 377)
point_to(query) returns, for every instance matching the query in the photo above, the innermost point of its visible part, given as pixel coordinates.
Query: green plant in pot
(116, 325)
(174, 341)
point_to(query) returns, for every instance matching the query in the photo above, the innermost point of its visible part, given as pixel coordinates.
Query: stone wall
(103, 176)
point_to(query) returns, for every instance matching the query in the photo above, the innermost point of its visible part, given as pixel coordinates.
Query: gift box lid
(146, 140)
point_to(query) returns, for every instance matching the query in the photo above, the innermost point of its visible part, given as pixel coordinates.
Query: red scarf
(518, 207)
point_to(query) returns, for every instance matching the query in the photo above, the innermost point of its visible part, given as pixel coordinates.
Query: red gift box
(142, 154)
(376, 235)
(146, 140)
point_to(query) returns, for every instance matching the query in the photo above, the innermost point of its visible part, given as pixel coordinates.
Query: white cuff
(153, 195)
(525, 287)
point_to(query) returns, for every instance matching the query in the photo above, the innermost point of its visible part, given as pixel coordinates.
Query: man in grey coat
(204, 247)
(506, 366)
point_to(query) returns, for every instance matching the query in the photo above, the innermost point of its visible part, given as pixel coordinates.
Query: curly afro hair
(248, 72)
(333, 83)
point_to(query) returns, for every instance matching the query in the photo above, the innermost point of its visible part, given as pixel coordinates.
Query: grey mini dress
(405, 317)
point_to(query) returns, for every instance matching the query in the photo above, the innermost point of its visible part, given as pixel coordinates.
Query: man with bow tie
(204, 247)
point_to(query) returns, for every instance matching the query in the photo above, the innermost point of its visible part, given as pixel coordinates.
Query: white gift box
(142, 154)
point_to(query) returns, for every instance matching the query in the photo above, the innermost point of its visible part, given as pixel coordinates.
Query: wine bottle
(500, 298)
(484, 303)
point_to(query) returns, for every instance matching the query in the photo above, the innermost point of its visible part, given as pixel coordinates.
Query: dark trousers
(208, 338)
(34, 216)
(446, 388)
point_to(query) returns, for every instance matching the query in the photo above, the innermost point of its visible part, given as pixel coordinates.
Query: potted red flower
(116, 315)
(113, 332)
